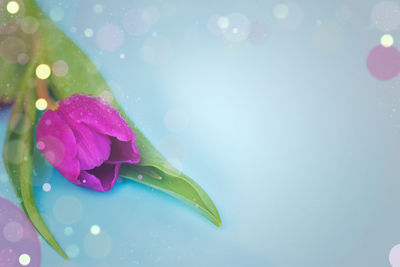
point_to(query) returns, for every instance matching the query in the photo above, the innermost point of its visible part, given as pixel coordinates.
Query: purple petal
(57, 143)
(97, 115)
(101, 178)
(123, 152)
(93, 148)
(5, 102)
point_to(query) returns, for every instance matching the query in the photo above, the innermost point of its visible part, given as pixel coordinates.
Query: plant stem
(42, 91)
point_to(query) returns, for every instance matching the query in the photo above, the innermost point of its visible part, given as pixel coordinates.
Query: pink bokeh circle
(17, 236)
(384, 62)
(109, 37)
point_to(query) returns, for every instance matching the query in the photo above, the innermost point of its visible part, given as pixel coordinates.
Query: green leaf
(180, 186)
(12, 66)
(18, 154)
(10, 78)
(84, 78)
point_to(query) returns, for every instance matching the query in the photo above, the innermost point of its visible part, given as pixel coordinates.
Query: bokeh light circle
(281, 11)
(223, 22)
(19, 243)
(68, 231)
(294, 17)
(57, 14)
(386, 15)
(384, 62)
(46, 187)
(24, 259)
(394, 256)
(12, 7)
(95, 229)
(11, 14)
(98, 8)
(22, 58)
(137, 21)
(213, 26)
(29, 25)
(387, 40)
(13, 231)
(41, 104)
(53, 148)
(88, 32)
(109, 37)
(60, 68)
(238, 28)
(43, 71)
(72, 251)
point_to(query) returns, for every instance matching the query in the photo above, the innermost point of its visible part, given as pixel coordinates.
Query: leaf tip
(65, 256)
(217, 219)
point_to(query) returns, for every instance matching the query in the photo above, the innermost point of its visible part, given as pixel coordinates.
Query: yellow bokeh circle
(387, 40)
(43, 71)
(41, 104)
(12, 7)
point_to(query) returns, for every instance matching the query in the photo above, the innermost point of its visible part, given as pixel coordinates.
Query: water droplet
(46, 187)
(68, 231)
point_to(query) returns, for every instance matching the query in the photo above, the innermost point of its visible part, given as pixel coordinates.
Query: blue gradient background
(299, 148)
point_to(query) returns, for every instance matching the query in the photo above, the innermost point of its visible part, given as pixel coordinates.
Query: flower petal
(57, 143)
(101, 178)
(97, 115)
(93, 148)
(123, 152)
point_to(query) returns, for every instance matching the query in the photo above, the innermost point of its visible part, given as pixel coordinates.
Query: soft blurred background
(286, 113)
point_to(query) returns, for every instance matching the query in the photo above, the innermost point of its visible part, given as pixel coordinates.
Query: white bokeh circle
(386, 15)
(137, 21)
(394, 256)
(294, 17)
(13, 231)
(109, 37)
(238, 28)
